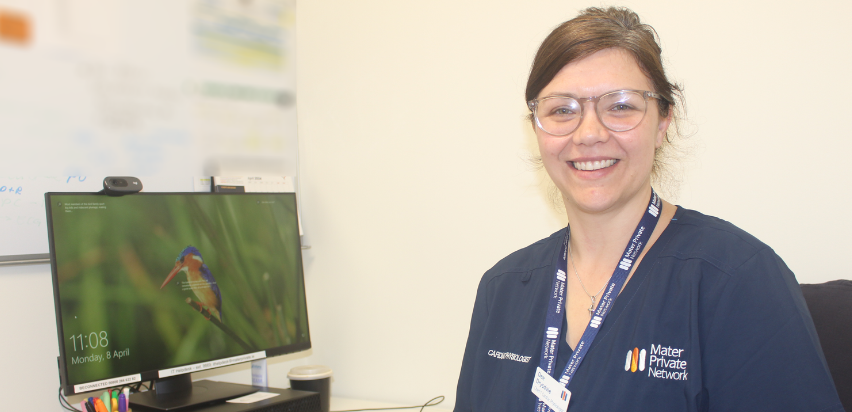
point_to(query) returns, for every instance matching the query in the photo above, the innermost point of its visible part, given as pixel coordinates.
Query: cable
(428, 403)
(64, 402)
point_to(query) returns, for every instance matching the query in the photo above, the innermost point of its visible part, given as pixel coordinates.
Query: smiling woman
(637, 305)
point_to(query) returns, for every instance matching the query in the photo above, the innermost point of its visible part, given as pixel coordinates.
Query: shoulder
(536, 256)
(523, 272)
(718, 242)
(748, 310)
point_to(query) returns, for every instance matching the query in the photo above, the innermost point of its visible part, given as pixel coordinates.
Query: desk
(340, 404)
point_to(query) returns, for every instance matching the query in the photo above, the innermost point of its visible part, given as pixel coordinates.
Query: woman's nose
(590, 130)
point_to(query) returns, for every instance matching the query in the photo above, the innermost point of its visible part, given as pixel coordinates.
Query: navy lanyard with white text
(553, 322)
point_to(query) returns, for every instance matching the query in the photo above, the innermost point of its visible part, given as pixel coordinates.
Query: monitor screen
(153, 285)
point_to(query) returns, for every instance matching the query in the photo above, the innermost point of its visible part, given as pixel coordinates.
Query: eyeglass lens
(619, 112)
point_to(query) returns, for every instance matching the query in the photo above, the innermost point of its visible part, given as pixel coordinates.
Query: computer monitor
(154, 286)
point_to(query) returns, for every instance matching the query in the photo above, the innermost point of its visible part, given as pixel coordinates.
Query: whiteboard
(149, 88)
(23, 218)
(139, 88)
(22, 214)
(94, 89)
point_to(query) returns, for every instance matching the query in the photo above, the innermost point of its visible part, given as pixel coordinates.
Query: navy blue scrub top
(712, 320)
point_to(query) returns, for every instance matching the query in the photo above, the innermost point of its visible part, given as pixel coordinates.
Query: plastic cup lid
(309, 372)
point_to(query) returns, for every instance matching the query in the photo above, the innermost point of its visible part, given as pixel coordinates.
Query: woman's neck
(598, 239)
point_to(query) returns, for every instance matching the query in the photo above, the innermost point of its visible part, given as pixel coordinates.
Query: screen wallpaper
(153, 281)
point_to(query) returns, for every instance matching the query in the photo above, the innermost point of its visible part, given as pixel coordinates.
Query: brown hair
(596, 29)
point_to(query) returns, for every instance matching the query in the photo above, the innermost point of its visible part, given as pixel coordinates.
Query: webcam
(121, 185)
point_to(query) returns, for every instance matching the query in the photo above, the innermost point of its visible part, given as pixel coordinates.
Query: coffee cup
(313, 378)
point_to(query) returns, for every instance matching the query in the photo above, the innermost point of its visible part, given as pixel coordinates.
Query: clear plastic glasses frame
(619, 111)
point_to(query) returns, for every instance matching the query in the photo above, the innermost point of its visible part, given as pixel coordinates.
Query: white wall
(414, 179)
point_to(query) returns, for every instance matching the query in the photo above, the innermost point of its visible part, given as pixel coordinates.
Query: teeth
(597, 164)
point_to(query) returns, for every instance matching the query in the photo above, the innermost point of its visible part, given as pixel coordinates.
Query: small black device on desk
(288, 400)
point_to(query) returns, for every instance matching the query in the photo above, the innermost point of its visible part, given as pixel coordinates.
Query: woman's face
(616, 166)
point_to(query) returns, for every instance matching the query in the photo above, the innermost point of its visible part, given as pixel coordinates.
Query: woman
(668, 309)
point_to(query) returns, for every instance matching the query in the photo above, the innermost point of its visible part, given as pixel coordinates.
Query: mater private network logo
(662, 362)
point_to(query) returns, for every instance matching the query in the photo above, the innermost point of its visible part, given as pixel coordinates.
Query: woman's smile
(593, 165)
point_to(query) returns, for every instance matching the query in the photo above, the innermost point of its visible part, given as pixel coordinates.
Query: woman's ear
(663, 128)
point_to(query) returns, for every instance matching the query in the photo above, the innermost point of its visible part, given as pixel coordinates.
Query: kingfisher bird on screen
(199, 279)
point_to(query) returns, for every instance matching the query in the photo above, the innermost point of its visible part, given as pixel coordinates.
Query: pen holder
(313, 378)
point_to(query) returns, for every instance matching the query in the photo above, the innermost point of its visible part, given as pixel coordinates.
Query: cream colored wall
(414, 179)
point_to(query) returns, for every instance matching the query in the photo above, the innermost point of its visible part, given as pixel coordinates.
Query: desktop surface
(347, 404)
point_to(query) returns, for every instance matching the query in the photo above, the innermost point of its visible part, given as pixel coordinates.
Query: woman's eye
(621, 107)
(561, 111)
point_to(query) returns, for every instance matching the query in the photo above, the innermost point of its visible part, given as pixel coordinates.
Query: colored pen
(127, 398)
(122, 403)
(114, 405)
(105, 400)
(99, 405)
(90, 406)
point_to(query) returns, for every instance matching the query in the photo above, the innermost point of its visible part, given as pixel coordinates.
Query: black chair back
(830, 305)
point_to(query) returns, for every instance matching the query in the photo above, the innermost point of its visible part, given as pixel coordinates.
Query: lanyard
(555, 309)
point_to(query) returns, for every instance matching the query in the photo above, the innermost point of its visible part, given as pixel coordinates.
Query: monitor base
(288, 401)
(198, 393)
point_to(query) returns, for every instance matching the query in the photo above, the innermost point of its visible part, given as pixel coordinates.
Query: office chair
(830, 304)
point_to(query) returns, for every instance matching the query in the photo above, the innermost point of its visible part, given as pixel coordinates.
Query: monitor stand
(180, 391)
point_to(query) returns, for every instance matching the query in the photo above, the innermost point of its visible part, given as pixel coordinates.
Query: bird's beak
(172, 274)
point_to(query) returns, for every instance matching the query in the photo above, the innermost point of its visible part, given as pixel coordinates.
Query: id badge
(550, 391)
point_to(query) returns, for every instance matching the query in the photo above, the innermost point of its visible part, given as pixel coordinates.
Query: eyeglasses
(619, 111)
